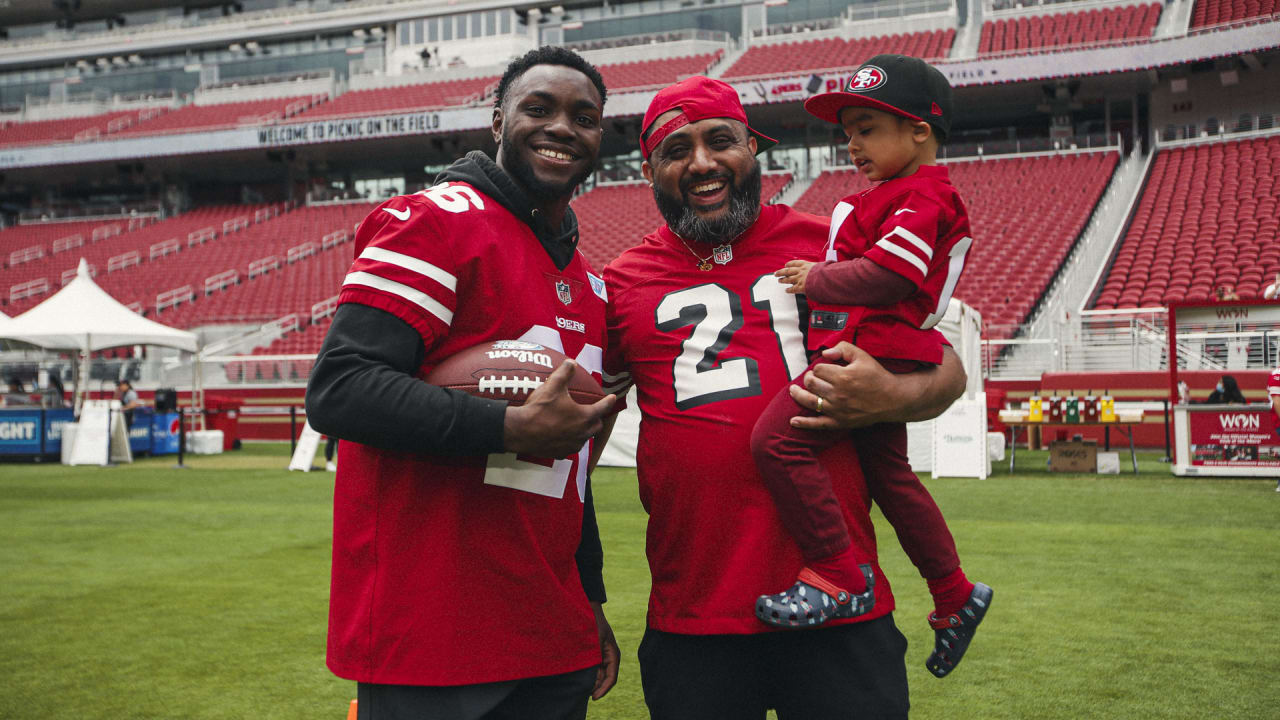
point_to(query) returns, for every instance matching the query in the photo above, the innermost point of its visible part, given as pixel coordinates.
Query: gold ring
(819, 408)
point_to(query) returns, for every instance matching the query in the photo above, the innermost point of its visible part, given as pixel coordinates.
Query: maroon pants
(801, 487)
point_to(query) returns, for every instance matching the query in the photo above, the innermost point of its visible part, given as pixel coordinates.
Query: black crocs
(812, 601)
(951, 634)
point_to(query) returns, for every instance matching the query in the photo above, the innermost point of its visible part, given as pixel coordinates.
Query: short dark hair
(548, 55)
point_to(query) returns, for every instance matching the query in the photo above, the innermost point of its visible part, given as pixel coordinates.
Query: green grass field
(146, 591)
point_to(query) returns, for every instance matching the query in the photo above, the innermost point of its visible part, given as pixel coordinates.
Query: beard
(744, 208)
(522, 172)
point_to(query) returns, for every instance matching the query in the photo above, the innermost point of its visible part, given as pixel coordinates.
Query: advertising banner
(1244, 438)
(20, 432)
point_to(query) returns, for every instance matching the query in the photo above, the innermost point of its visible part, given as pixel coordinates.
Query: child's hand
(794, 274)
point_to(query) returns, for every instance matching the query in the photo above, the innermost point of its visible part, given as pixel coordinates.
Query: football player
(466, 576)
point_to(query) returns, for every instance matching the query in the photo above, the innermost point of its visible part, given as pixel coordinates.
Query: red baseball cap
(698, 97)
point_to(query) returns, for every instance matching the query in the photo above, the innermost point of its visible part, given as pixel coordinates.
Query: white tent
(82, 316)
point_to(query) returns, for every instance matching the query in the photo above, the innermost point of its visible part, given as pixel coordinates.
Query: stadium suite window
(504, 17)
(417, 32)
(462, 27)
(446, 28)
(433, 30)
(477, 19)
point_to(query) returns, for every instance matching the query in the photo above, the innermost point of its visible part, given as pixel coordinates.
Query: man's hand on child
(794, 274)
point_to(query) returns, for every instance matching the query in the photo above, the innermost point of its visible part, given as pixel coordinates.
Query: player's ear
(921, 132)
(496, 126)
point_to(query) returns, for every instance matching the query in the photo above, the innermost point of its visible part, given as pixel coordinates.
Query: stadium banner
(375, 126)
(1234, 437)
(249, 138)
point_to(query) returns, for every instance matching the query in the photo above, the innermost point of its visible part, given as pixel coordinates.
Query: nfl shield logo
(563, 292)
(722, 254)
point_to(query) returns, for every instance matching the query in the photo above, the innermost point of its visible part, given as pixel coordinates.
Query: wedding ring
(819, 406)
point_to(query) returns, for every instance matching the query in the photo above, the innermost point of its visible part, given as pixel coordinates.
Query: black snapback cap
(897, 84)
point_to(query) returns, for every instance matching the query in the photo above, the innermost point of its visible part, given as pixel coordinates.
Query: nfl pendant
(704, 266)
(722, 254)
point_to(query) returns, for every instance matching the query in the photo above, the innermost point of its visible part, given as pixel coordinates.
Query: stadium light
(775, 3)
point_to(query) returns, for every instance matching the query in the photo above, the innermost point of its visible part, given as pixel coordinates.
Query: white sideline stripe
(417, 297)
(411, 264)
(912, 238)
(904, 254)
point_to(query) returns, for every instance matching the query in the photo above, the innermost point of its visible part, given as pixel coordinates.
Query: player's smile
(548, 130)
(708, 193)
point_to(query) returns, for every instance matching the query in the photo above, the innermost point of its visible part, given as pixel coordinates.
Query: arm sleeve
(909, 237)
(856, 282)
(363, 389)
(590, 554)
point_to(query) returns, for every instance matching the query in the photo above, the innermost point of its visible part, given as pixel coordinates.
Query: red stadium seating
(1020, 240)
(224, 115)
(69, 129)
(837, 53)
(403, 98)
(1208, 217)
(1055, 30)
(614, 217)
(654, 73)
(1217, 12)
(109, 246)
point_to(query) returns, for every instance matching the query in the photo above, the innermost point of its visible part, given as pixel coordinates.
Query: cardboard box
(1074, 456)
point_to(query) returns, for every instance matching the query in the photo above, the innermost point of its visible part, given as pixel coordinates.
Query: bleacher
(654, 73)
(1218, 12)
(1020, 239)
(67, 129)
(191, 118)
(1207, 218)
(835, 52)
(425, 96)
(1036, 32)
(111, 248)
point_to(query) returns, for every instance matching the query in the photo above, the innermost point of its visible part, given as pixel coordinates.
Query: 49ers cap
(898, 84)
(699, 98)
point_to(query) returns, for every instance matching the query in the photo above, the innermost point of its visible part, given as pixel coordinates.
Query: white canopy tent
(84, 317)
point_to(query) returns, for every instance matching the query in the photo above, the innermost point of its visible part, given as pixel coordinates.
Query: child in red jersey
(894, 255)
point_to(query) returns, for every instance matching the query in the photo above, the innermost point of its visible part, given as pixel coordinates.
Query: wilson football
(509, 370)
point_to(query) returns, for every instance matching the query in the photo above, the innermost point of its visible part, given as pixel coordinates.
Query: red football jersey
(460, 570)
(917, 227)
(706, 352)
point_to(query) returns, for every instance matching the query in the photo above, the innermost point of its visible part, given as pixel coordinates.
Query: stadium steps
(1176, 19)
(731, 56)
(792, 193)
(969, 35)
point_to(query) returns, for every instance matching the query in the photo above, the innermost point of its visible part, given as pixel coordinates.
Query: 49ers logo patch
(868, 77)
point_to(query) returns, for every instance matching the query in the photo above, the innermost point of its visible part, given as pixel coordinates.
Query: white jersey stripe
(417, 297)
(912, 238)
(411, 264)
(907, 255)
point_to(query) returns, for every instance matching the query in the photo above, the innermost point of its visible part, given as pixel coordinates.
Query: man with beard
(702, 328)
(463, 587)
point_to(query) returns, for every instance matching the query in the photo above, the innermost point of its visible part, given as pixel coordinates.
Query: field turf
(146, 591)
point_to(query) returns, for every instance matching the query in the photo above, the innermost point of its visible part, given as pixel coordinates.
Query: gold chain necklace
(723, 254)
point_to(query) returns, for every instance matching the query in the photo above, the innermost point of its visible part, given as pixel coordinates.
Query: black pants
(850, 671)
(554, 697)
